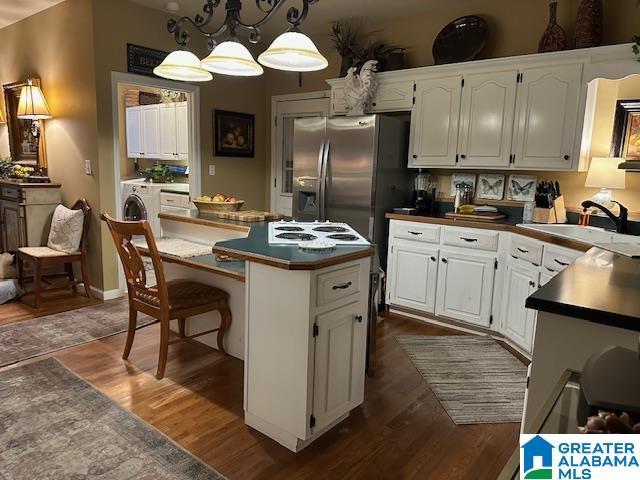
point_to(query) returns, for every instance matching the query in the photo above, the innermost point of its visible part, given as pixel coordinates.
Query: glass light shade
(294, 52)
(32, 105)
(232, 58)
(184, 66)
(604, 173)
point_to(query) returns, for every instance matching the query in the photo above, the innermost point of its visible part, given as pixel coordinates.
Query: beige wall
(56, 45)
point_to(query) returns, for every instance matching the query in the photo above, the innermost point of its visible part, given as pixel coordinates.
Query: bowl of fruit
(218, 203)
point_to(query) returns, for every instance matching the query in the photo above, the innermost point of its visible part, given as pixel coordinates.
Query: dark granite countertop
(601, 287)
(256, 248)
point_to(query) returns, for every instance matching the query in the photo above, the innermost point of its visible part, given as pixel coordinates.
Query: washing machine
(141, 200)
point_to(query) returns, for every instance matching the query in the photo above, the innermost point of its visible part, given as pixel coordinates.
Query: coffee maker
(424, 194)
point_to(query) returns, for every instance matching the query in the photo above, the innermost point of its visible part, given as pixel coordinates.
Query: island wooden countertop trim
(204, 221)
(503, 227)
(198, 266)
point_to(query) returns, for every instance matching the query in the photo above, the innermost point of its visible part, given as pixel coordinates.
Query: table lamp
(604, 174)
(33, 106)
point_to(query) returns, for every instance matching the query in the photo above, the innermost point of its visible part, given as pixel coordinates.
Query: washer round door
(134, 209)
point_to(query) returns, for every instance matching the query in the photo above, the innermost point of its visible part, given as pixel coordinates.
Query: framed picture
(234, 134)
(458, 178)
(490, 187)
(522, 187)
(626, 130)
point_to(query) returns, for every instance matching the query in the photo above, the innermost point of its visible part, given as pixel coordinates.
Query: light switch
(212, 170)
(87, 167)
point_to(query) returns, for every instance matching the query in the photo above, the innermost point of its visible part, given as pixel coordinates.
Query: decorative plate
(461, 41)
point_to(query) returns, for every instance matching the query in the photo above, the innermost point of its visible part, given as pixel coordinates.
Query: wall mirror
(26, 144)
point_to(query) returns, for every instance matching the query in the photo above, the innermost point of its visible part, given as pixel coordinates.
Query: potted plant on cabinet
(158, 174)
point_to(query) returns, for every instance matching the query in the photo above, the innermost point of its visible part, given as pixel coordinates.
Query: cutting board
(478, 216)
(250, 216)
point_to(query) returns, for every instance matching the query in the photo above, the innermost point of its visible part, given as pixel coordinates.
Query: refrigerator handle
(322, 187)
(319, 178)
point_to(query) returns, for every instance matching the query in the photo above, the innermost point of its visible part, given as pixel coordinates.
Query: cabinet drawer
(174, 200)
(10, 192)
(556, 259)
(332, 286)
(471, 239)
(526, 249)
(418, 232)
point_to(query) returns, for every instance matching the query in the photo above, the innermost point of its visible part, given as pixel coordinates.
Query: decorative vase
(347, 63)
(589, 24)
(554, 37)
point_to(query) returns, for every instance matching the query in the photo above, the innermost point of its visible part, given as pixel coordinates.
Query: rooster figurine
(360, 88)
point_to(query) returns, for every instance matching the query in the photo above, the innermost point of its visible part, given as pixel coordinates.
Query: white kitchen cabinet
(486, 119)
(151, 131)
(182, 130)
(339, 363)
(434, 122)
(546, 115)
(413, 271)
(395, 96)
(133, 118)
(519, 322)
(465, 287)
(168, 137)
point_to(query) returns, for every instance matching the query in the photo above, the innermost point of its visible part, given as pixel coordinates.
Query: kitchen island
(299, 317)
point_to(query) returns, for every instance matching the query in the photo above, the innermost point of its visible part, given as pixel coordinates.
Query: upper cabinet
(547, 116)
(434, 122)
(159, 131)
(391, 96)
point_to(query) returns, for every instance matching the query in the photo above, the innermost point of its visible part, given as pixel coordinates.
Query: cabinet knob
(415, 156)
(532, 283)
(434, 259)
(463, 156)
(444, 260)
(567, 157)
(374, 104)
(358, 318)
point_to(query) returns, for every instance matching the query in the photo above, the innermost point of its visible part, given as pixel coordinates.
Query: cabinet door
(465, 287)
(338, 103)
(168, 140)
(393, 97)
(412, 277)
(182, 131)
(519, 322)
(12, 226)
(134, 132)
(151, 131)
(434, 122)
(547, 115)
(339, 363)
(486, 119)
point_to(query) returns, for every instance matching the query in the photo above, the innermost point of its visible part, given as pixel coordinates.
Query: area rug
(54, 425)
(474, 378)
(37, 336)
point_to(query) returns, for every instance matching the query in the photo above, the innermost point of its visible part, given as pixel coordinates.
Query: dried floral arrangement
(636, 46)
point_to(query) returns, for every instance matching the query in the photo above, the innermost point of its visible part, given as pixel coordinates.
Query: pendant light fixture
(291, 51)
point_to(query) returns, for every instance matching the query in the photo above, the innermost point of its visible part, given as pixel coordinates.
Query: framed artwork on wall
(234, 134)
(490, 187)
(626, 130)
(522, 187)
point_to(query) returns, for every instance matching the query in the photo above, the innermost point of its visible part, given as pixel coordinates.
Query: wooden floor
(401, 431)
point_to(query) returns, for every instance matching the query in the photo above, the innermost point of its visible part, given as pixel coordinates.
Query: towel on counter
(177, 247)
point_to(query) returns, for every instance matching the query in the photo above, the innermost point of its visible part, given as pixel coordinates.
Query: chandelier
(291, 51)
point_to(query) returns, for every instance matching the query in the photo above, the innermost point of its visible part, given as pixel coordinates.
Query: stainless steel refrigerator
(351, 170)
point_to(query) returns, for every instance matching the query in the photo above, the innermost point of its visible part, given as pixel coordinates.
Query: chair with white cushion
(67, 245)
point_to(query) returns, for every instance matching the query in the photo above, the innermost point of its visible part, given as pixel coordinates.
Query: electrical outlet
(212, 170)
(87, 167)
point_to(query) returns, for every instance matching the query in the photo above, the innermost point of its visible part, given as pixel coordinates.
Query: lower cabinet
(465, 287)
(339, 363)
(413, 278)
(519, 322)
(12, 226)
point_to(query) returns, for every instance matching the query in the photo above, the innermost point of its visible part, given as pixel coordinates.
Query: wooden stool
(175, 299)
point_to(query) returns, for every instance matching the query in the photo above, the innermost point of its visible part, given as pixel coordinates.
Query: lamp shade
(604, 173)
(2, 117)
(184, 66)
(232, 58)
(293, 51)
(32, 105)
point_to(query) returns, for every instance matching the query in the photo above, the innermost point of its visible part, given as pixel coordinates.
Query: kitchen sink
(589, 235)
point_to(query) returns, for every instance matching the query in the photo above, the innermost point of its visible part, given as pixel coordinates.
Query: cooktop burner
(290, 229)
(296, 236)
(343, 236)
(329, 229)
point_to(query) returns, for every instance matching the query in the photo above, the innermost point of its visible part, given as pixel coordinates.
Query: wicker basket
(216, 207)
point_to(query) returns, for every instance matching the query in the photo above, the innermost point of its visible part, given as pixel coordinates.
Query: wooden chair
(43, 257)
(168, 300)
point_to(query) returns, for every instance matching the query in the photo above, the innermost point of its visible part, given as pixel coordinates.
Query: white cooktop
(292, 233)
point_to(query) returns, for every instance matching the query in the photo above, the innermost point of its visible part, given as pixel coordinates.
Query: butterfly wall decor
(522, 187)
(490, 187)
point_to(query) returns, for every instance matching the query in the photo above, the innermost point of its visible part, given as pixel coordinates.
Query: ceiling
(12, 11)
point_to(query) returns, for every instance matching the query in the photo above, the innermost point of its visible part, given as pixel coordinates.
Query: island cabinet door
(413, 276)
(434, 122)
(465, 287)
(547, 115)
(486, 120)
(339, 363)
(519, 322)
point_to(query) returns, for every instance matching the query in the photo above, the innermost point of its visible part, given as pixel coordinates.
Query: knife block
(556, 214)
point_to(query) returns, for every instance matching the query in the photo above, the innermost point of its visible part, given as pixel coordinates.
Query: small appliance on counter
(424, 194)
(549, 204)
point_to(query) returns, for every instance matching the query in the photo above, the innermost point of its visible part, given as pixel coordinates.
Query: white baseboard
(106, 295)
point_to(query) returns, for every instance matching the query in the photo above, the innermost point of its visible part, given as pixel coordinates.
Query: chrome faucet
(621, 221)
